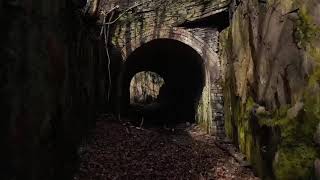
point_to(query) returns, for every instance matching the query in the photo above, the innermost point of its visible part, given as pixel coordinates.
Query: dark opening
(182, 69)
(219, 21)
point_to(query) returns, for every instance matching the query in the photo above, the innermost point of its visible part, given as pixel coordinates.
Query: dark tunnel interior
(183, 72)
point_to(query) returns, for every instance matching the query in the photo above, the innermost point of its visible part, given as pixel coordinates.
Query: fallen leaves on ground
(121, 151)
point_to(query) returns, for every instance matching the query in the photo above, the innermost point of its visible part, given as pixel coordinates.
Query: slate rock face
(273, 60)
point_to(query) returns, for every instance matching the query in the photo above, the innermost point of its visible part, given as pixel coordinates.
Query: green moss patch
(297, 151)
(295, 163)
(306, 31)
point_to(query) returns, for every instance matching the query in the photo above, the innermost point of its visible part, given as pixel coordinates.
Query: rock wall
(52, 82)
(271, 64)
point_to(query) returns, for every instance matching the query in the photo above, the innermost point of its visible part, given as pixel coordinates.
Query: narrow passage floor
(118, 150)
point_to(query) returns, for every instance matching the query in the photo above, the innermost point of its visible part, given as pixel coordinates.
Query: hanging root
(106, 38)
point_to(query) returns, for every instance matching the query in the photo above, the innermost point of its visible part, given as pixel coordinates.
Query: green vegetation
(294, 162)
(305, 30)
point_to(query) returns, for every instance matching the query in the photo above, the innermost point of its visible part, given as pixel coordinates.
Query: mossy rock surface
(295, 162)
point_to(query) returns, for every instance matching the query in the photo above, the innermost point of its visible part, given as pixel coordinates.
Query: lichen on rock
(272, 85)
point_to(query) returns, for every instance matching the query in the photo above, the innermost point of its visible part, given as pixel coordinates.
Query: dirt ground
(118, 150)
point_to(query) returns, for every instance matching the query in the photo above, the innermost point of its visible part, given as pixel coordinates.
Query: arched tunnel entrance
(183, 72)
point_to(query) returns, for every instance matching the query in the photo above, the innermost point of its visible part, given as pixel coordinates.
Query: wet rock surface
(121, 151)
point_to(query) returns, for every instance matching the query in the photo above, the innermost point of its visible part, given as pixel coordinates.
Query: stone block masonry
(160, 20)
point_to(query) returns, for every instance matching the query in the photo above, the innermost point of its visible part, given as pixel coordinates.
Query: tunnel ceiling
(164, 56)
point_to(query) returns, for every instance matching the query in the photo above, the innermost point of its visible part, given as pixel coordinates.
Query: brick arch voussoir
(209, 56)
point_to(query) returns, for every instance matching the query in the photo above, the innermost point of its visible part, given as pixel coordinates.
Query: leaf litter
(119, 150)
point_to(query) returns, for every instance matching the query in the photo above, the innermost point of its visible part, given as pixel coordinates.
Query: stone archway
(130, 43)
(206, 111)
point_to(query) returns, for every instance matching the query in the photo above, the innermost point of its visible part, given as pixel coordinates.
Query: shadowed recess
(182, 70)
